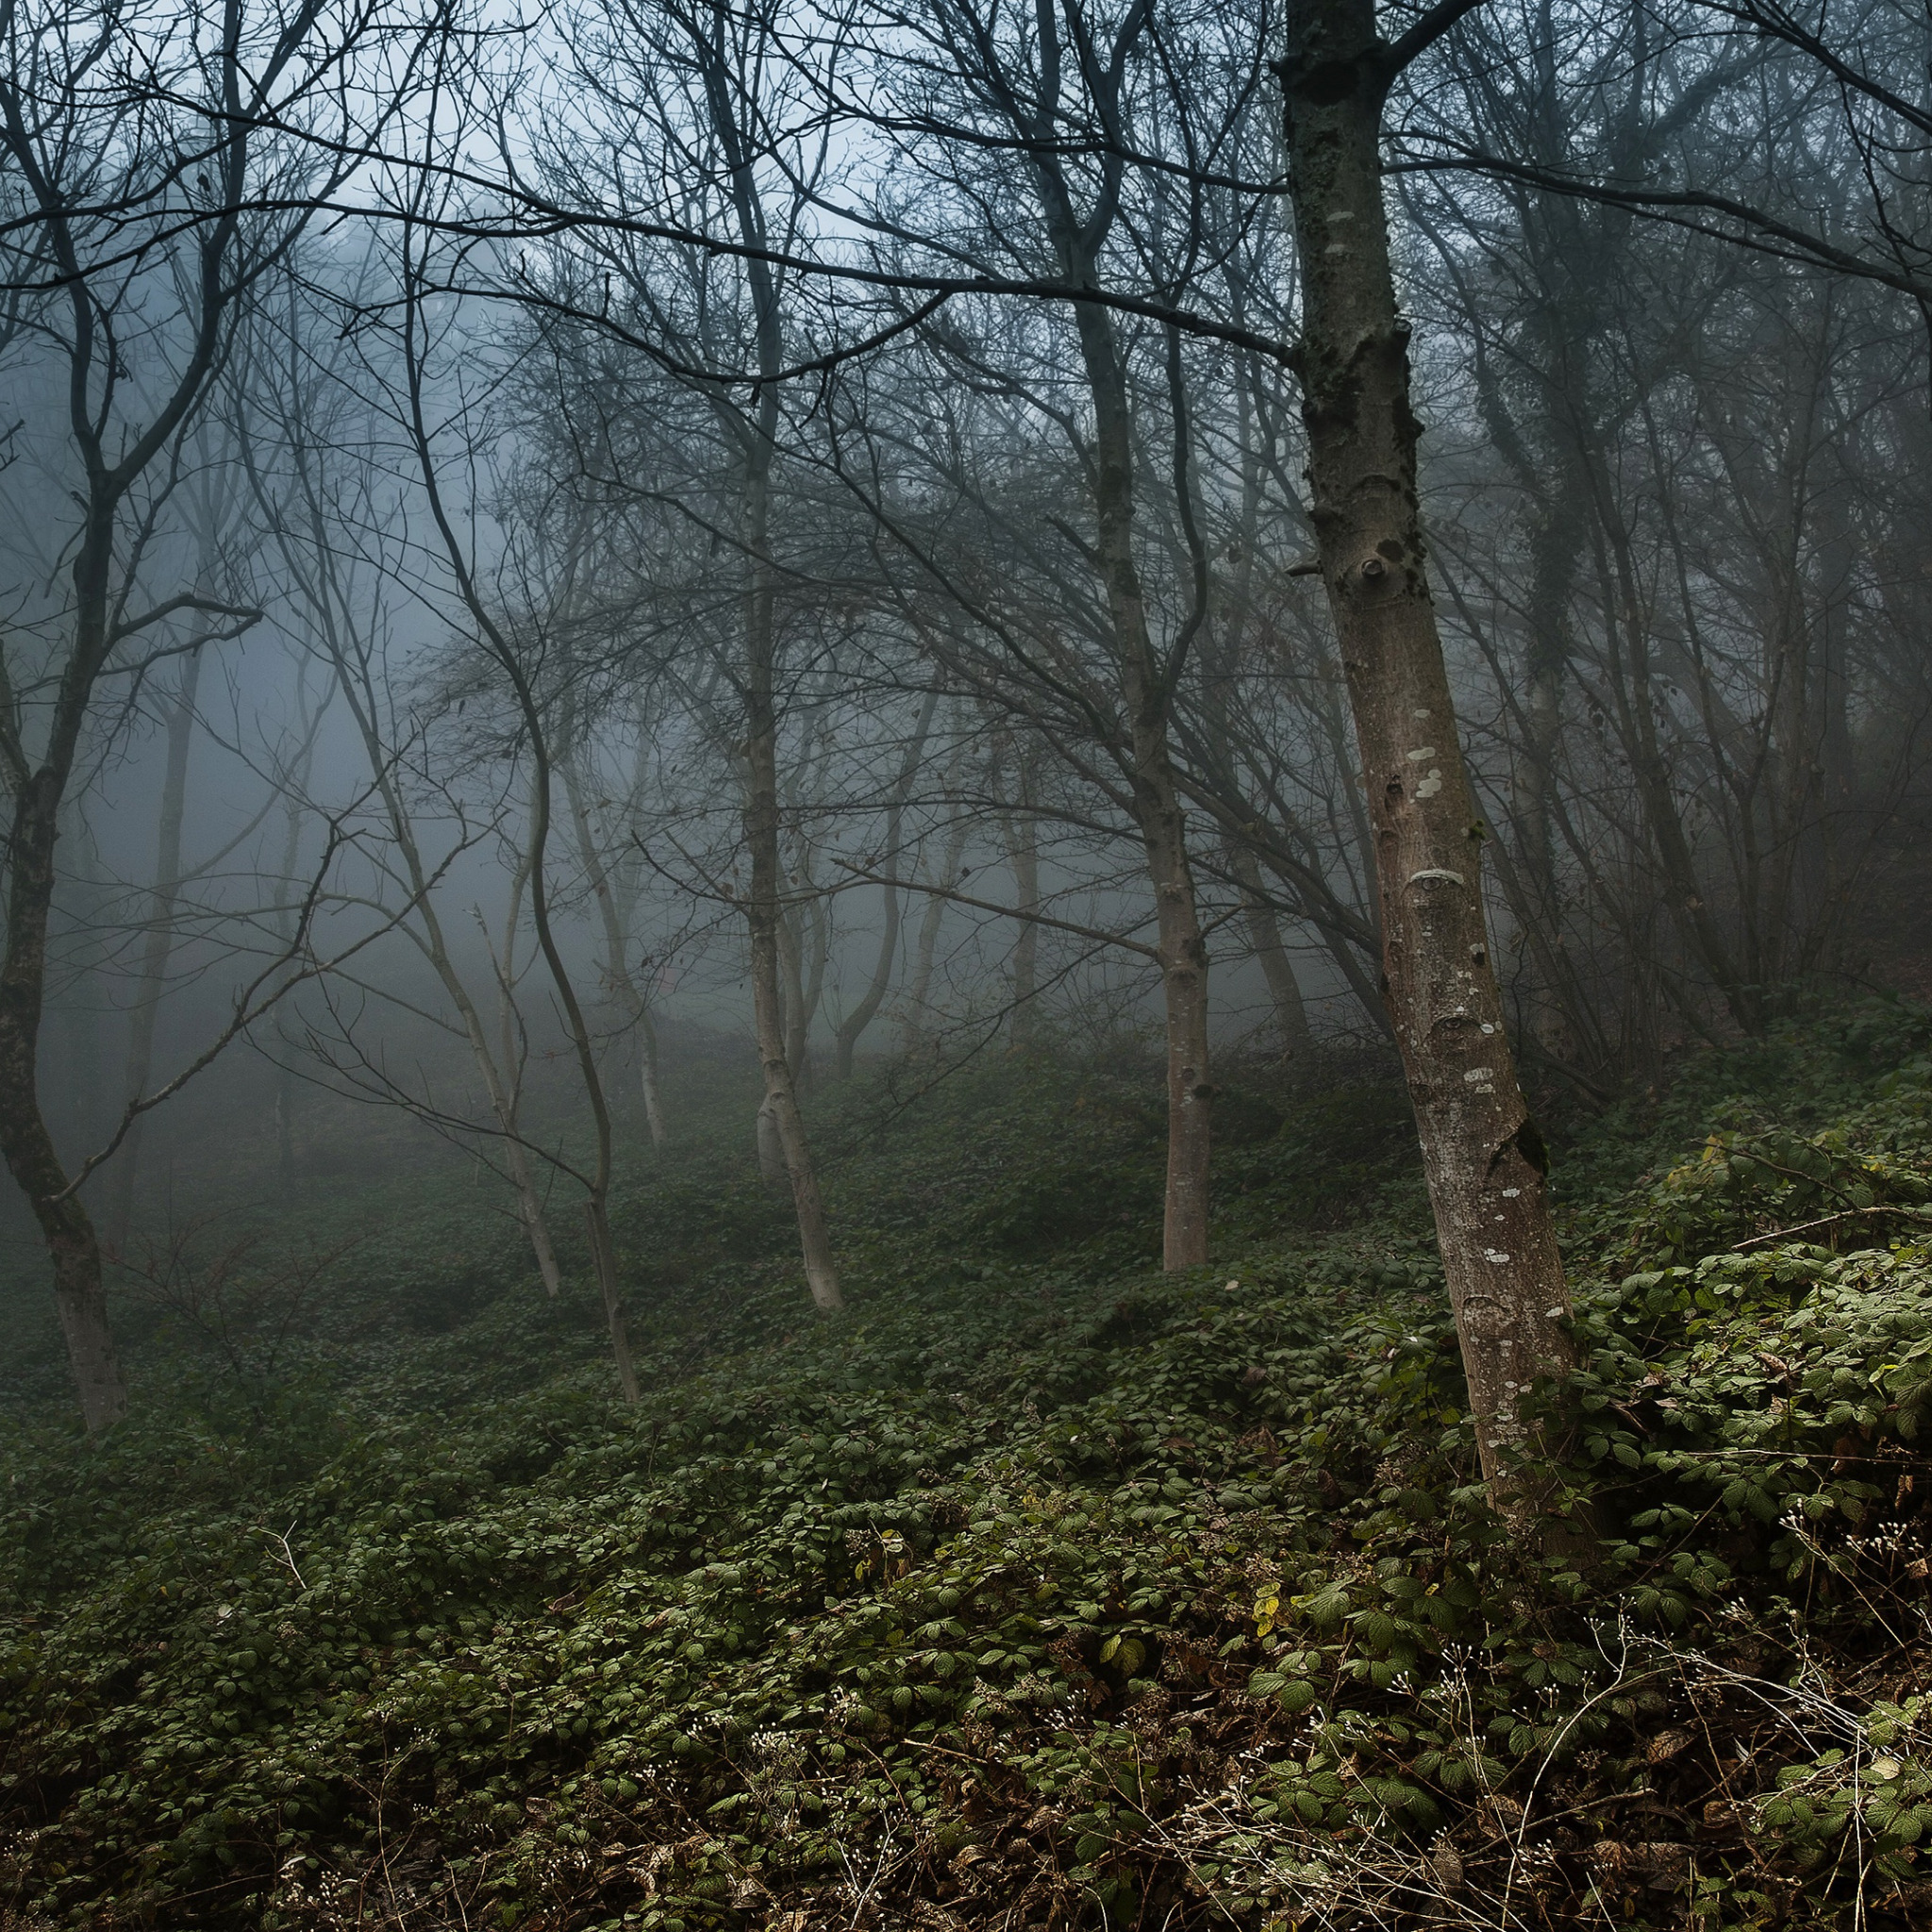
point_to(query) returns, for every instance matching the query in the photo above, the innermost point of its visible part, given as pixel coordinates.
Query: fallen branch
(1780, 1234)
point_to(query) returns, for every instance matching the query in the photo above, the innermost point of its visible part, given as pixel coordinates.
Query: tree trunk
(1554, 552)
(772, 1168)
(1292, 1029)
(1184, 985)
(853, 1025)
(160, 944)
(79, 1117)
(1022, 847)
(534, 871)
(797, 1025)
(616, 964)
(285, 1077)
(79, 1294)
(1155, 799)
(756, 431)
(925, 953)
(536, 1223)
(604, 1259)
(811, 993)
(28, 1149)
(500, 1083)
(778, 1118)
(506, 1099)
(866, 1011)
(1485, 1161)
(764, 910)
(1628, 655)
(647, 1076)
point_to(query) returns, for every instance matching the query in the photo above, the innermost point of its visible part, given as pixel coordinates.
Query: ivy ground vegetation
(1039, 1589)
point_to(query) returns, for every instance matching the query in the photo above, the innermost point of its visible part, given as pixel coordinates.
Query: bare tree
(129, 246)
(1487, 1168)
(692, 78)
(326, 510)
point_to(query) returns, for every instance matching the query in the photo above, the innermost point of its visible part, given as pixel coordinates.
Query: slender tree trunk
(1156, 795)
(853, 1026)
(1292, 1029)
(504, 1093)
(507, 1097)
(1485, 1161)
(764, 908)
(1555, 553)
(285, 1077)
(536, 1223)
(1221, 647)
(78, 1111)
(501, 1084)
(1184, 985)
(500, 1081)
(926, 947)
(499, 649)
(925, 952)
(1021, 830)
(73, 1247)
(159, 942)
(763, 914)
(1827, 889)
(604, 1259)
(862, 1016)
(797, 1021)
(809, 985)
(616, 965)
(772, 1168)
(648, 1083)
(1628, 644)
(757, 432)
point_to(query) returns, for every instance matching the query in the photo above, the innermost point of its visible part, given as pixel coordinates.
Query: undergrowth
(1041, 1589)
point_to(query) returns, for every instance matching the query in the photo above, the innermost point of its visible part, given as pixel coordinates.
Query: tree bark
(82, 1122)
(1484, 1158)
(803, 989)
(648, 1082)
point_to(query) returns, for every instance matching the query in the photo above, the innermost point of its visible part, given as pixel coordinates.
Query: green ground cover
(1041, 1589)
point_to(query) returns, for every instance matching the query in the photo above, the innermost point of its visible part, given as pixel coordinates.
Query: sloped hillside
(1043, 1590)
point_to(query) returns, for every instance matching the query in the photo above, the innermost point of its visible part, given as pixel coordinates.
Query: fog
(542, 550)
(964, 965)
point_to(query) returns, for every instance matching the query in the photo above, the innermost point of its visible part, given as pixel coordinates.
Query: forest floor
(1040, 1590)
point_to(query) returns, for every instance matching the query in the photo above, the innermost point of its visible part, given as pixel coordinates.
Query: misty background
(549, 430)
